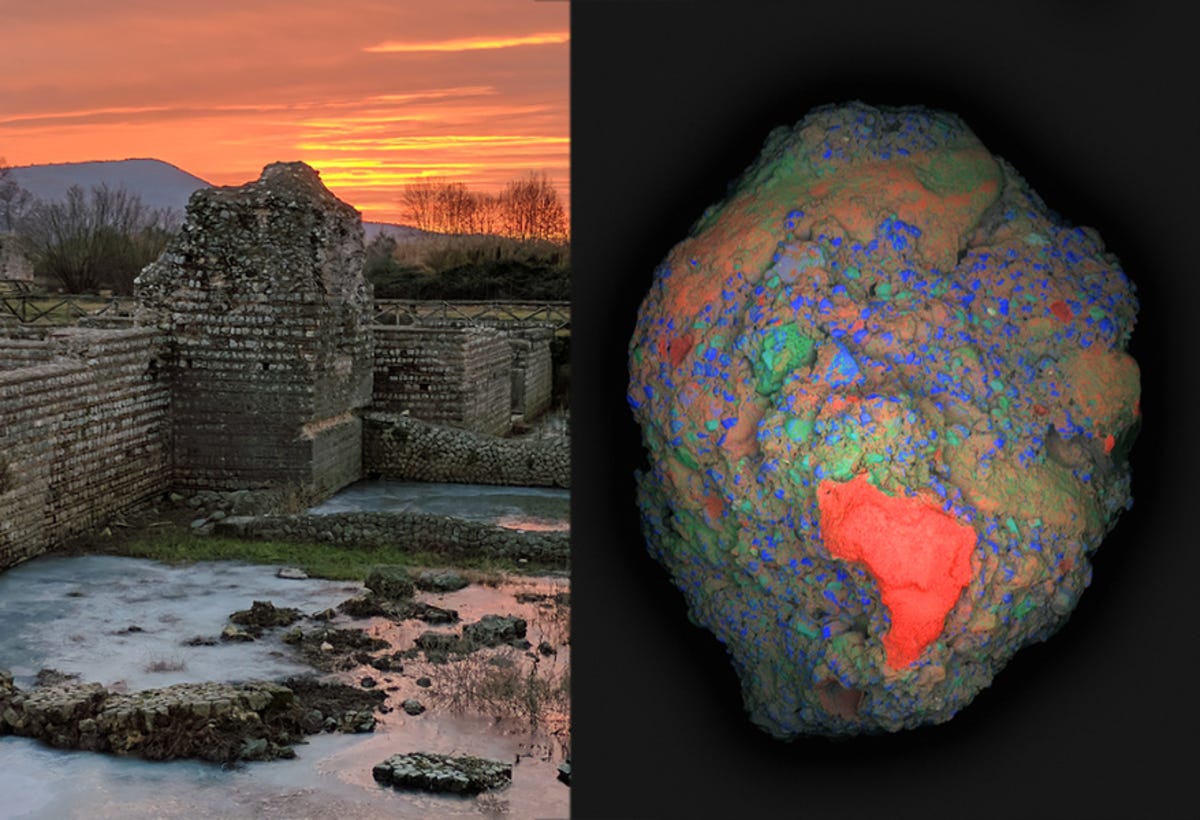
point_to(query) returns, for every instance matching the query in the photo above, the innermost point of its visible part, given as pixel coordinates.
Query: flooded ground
(124, 622)
(541, 508)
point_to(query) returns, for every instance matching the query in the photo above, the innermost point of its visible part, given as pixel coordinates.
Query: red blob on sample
(1109, 443)
(1062, 310)
(679, 348)
(714, 506)
(919, 555)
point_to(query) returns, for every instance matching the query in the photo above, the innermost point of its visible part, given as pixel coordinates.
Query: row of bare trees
(527, 208)
(101, 238)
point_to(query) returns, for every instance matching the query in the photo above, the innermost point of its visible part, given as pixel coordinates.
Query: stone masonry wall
(84, 432)
(418, 532)
(264, 298)
(532, 365)
(532, 372)
(25, 350)
(459, 377)
(404, 448)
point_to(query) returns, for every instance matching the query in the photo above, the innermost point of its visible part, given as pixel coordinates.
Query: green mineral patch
(957, 172)
(798, 429)
(685, 458)
(784, 349)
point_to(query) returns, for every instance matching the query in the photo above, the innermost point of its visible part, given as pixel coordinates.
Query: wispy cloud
(437, 94)
(222, 88)
(482, 43)
(82, 114)
(433, 143)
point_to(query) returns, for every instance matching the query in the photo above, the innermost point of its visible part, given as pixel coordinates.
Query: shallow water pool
(542, 508)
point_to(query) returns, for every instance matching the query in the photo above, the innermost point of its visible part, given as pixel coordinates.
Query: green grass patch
(318, 560)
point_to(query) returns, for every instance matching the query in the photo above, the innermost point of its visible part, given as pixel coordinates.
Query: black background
(1095, 104)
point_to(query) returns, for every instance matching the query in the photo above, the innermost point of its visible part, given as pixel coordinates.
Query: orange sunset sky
(371, 94)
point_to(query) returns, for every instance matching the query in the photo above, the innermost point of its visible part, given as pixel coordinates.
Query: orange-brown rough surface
(887, 408)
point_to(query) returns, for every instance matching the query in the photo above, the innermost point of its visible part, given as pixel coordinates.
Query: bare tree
(447, 207)
(456, 205)
(13, 199)
(484, 214)
(92, 239)
(420, 203)
(530, 209)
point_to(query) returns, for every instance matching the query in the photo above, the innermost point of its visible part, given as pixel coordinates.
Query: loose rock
(443, 773)
(390, 582)
(218, 722)
(441, 580)
(265, 615)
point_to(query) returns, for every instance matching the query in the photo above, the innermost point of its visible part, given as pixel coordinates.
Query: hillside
(159, 185)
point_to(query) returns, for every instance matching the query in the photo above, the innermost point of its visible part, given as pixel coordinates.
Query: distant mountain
(400, 232)
(159, 185)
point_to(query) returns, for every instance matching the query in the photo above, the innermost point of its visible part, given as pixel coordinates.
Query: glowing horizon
(371, 96)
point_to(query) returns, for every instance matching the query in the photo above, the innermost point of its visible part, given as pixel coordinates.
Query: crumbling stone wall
(456, 376)
(84, 432)
(419, 532)
(408, 449)
(246, 366)
(263, 295)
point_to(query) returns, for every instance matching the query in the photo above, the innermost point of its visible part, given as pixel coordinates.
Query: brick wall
(453, 376)
(264, 393)
(83, 433)
(531, 361)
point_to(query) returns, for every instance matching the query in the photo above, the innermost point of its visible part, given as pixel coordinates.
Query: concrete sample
(887, 407)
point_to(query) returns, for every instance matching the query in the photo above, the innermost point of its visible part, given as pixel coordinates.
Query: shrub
(102, 238)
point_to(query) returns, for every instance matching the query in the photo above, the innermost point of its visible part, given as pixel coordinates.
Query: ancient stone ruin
(250, 361)
(264, 298)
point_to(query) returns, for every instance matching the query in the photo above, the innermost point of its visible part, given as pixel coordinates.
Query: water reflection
(521, 508)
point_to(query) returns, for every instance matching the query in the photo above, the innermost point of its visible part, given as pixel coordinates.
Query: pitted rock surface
(443, 773)
(218, 722)
(887, 403)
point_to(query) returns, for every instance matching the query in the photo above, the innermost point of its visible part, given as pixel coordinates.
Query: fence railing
(19, 299)
(413, 311)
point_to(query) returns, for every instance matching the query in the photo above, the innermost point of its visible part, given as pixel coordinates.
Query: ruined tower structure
(263, 296)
